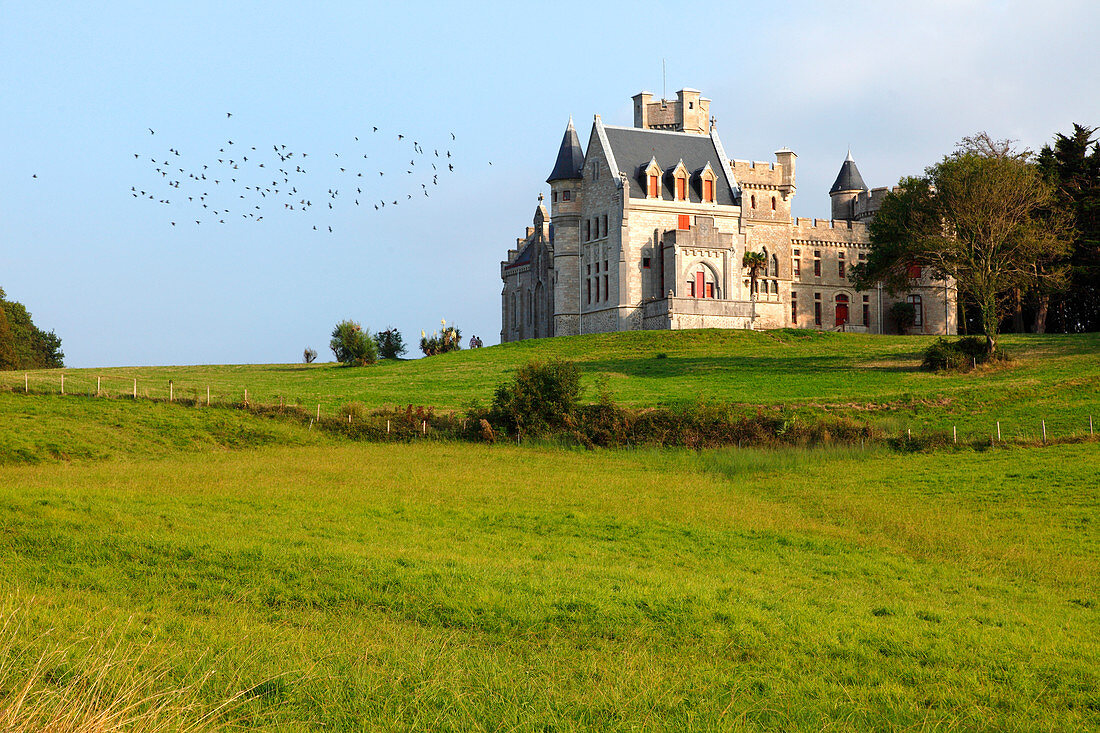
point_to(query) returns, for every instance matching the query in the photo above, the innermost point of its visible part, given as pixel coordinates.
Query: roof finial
(540, 198)
(850, 154)
(570, 122)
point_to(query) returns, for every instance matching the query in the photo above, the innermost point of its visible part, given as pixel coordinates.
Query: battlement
(757, 172)
(867, 203)
(689, 112)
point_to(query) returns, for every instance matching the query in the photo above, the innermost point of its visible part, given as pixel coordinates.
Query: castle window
(866, 311)
(914, 300)
(752, 201)
(794, 307)
(606, 290)
(913, 272)
(554, 197)
(817, 263)
(817, 309)
(708, 190)
(775, 266)
(564, 195)
(797, 266)
(703, 283)
(604, 227)
(773, 203)
(587, 230)
(681, 188)
(654, 192)
(597, 288)
(683, 222)
(645, 263)
(840, 267)
(796, 252)
(841, 310)
(588, 295)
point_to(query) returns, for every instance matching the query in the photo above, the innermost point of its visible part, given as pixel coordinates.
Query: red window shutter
(684, 222)
(710, 290)
(653, 186)
(914, 271)
(708, 190)
(681, 189)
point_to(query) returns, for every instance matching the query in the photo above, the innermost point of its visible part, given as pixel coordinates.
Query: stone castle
(648, 226)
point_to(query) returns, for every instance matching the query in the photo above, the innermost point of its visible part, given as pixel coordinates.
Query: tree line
(22, 344)
(1019, 232)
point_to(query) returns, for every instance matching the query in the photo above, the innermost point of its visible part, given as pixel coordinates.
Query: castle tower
(565, 220)
(689, 113)
(849, 184)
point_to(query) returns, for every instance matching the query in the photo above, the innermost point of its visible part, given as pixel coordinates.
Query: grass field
(320, 584)
(1053, 378)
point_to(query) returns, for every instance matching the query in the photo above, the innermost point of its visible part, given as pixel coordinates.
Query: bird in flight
(228, 115)
(150, 131)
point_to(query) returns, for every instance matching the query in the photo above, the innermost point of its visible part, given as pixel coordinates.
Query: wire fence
(1058, 426)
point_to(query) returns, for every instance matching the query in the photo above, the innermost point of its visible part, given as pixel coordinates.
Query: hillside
(1052, 378)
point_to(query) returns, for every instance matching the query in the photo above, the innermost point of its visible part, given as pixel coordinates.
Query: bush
(352, 345)
(390, 343)
(309, 355)
(441, 343)
(541, 397)
(946, 355)
(904, 315)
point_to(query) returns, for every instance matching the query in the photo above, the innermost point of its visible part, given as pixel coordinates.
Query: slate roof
(524, 257)
(849, 178)
(634, 147)
(570, 162)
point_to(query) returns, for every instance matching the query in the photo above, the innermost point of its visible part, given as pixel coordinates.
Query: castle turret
(847, 186)
(690, 112)
(565, 219)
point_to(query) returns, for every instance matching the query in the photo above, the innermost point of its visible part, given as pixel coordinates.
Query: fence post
(1090, 425)
(135, 388)
(318, 412)
(98, 380)
(954, 435)
(387, 427)
(998, 431)
(62, 384)
(171, 391)
(1044, 431)
(246, 396)
(27, 390)
(424, 427)
(208, 395)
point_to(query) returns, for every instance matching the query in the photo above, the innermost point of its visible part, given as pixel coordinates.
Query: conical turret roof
(570, 162)
(849, 178)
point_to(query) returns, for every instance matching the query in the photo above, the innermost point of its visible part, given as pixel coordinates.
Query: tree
(1072, 165)
(984, 216)
(309, 355)
(33, 348)
(352, 345)
(390, 343)
(755, 262)
(9, 358)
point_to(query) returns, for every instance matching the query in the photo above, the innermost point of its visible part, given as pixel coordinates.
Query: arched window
(775, 266)
(841, 309)
(914, 300)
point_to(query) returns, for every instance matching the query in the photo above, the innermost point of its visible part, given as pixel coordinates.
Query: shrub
(441, 343)
(946, 355)
(390, 343)
(904, 315)
(542, 396)
(352, 345)
(309, 355)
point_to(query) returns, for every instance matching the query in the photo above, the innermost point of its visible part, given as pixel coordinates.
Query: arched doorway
(841, 309)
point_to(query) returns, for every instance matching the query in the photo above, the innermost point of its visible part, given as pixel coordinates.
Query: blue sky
(80, 84)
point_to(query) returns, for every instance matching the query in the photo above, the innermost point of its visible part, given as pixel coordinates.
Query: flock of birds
(251, 182)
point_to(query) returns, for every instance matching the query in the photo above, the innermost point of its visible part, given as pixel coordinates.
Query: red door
(699, 285)
(841, 313)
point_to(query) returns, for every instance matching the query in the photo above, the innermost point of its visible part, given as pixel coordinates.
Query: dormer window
(708, 180)
(680, 177)
(653, 179)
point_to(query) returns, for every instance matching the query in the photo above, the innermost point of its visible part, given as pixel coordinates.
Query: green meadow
(289, 579)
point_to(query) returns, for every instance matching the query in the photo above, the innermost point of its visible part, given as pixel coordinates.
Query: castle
(648, 227)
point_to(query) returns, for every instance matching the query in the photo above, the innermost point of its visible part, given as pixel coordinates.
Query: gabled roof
(849, 178)
(570, 162)
(633, 148)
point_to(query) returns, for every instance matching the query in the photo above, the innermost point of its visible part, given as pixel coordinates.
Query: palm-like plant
(755, 263)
